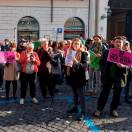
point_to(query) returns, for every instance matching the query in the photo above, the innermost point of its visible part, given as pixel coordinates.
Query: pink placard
(2, 57)
(120, 57)
(7, 57)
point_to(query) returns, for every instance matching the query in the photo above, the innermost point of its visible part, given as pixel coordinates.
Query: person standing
(56, 70)
(44, 74)
(114, 76)
(3, 47)
(77, 76)
(10, 73)
(126, 47)
(30, 62)
(95, 73)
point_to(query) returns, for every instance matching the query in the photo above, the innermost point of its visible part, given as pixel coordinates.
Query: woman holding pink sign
(114, 76)
(10, 73)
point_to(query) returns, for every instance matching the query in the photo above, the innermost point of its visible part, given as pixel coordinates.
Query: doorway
(28, 29)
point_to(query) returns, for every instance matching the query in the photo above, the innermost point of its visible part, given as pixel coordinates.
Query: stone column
(91, 24)
(101, 15)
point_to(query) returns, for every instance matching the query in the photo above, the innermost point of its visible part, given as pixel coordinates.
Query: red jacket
(23, 61)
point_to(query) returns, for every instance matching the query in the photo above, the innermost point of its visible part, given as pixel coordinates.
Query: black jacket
(110, 71)
(77, 72)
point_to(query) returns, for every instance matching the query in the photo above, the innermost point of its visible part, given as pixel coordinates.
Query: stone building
(54, 19)
(120, 21)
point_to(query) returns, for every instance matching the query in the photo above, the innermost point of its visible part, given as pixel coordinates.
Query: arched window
(73, 28)
(28, 29)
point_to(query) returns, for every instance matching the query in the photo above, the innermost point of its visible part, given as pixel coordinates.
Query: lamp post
(109, 12)
(15, 34)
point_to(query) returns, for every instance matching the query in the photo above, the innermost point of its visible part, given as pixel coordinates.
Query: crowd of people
(47, 65)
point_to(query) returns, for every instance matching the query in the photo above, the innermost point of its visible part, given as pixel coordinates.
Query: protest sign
(69, 58)
(120, 57)
(94, 60)
(10, 57)
(7, 57)
(2, 57)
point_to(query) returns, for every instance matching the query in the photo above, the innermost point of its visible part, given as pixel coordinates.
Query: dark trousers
(105, 94)
(129, 78)
(1, 76)
(46, 82)
(25, 80)
(7, 87)
(55, 80)
(79, 97)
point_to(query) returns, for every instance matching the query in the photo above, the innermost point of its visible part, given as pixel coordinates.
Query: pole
(96, 16)
(89, 18)
(14, 34)
(51, 11)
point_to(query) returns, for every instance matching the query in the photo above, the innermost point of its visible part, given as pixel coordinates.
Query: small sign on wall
(59, 30)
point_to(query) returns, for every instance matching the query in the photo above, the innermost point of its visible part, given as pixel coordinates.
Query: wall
(102, 21)
(11, 11)
(45, 3)
(98, 8)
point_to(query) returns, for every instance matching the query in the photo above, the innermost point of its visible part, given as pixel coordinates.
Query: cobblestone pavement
(48, 116)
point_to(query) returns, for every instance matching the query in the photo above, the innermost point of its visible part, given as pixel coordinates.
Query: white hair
(30, 44)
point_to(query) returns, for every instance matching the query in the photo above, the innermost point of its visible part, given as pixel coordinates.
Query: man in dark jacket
(113, 76)
(45, 75)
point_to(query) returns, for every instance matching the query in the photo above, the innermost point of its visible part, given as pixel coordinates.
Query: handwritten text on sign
(7, 57)
(120, 57)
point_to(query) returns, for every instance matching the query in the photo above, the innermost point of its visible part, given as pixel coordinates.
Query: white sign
(69, 58)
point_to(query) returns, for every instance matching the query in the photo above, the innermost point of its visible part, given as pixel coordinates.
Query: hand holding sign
(70, 58)
(7, 57)
(10, 57)
(121, 65)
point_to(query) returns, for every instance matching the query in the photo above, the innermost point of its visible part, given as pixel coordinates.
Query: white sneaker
(21, 101)
(35, 101)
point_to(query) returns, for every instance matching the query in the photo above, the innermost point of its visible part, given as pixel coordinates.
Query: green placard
(94, 61)
(36, 45)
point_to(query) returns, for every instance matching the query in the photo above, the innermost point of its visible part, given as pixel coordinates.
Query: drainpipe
(52, 11)
(89, 17)
(96, 17)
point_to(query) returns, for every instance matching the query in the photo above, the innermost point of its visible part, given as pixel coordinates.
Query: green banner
(94, 61)
(36, 45)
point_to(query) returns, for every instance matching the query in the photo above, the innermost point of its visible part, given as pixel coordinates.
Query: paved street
(48, 116)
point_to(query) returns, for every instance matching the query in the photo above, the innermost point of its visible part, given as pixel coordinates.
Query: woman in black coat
(77, 76)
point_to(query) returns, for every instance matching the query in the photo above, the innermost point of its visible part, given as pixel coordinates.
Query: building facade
(120, 21)
(98, 17)
(54, 19)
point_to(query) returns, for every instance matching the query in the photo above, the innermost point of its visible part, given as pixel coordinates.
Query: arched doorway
(73, 28)
(28, 29)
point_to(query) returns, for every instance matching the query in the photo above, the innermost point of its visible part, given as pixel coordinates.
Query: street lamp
(109, 12)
